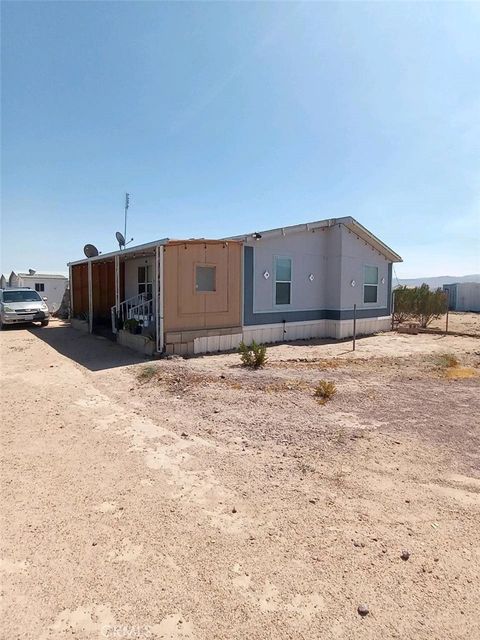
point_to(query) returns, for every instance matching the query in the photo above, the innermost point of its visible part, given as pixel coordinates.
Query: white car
(22, 305)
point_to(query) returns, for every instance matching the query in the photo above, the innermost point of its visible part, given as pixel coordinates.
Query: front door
(145, 281)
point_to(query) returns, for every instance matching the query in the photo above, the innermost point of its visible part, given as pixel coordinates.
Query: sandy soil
(195, 500)
(459, 322)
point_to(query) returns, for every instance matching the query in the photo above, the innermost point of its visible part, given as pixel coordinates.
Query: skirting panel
(212, 344)
(337, 329)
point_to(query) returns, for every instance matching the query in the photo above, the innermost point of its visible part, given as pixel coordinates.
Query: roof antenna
(121, 238)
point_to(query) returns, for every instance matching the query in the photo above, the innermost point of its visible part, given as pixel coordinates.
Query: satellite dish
(120, 239)
(90, 250)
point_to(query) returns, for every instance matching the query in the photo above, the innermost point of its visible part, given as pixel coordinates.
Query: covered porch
(121, 292)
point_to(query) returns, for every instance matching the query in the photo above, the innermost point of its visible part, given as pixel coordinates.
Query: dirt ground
(459, 322)
(195, 500)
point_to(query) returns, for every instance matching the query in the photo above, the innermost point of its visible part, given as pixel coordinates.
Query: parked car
(22, 305)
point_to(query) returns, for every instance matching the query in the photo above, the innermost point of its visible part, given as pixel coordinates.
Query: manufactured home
(198, 296)
(308, 280)
(182, 296)
(50, 286)
(463, 296)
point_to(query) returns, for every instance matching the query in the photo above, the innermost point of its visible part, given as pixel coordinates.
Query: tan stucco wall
(184, 307)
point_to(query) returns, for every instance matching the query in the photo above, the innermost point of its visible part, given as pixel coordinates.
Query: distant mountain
(437, 281)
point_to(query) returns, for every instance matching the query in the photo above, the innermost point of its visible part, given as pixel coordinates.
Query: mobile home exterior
(304, 281)
(186, 294)
(200, 296)
(463, 296)
(49, 285)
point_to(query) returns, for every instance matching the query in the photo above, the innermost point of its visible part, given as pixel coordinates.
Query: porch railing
(137, 307)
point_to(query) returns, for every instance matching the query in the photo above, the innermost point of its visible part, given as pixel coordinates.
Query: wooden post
(354, 325)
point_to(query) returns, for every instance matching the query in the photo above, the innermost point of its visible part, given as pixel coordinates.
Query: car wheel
(1, 325)
(44, 323)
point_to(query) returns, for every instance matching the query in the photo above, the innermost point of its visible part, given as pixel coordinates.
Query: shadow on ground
(95, 353)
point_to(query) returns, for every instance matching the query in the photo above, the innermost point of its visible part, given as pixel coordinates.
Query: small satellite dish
(120, 239)
(90, 250)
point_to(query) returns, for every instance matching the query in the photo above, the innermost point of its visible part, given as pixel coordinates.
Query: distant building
(49, 285)
(463, 296)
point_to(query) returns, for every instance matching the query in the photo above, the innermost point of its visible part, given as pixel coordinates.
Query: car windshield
(21, 296)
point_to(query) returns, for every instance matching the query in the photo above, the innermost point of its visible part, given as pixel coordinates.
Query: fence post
(393, 308)
(446, 319)
(354, 325)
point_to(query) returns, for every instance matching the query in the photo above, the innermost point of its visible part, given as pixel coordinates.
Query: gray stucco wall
(334, 256)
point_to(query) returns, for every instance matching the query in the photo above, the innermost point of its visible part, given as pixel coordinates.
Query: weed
(253, 355)
(446, 360)
(324, 391)
(146, 373)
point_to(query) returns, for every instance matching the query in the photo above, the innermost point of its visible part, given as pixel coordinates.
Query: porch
(119, 292)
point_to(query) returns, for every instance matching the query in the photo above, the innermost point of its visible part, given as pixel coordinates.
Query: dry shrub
(146, 373)
(446, 360)
(324, 391)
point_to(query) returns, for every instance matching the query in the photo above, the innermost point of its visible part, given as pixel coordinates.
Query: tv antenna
(121, 238)
(90, 250)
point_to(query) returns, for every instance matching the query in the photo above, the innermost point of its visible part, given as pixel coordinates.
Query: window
(39, 286)
(370, 286)
(283, 280)
(205, 278)
(145, 280)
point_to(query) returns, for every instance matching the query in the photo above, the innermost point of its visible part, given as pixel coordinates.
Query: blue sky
(222, 118)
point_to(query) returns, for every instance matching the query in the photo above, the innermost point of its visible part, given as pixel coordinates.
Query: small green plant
(146, 373)
(324, 391)
(447, 360)
(131, 325)
(253, 355)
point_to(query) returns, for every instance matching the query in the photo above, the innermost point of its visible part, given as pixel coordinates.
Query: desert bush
(324, 391)
(253, 355)
(447, 360)
(146, 373)
(419, 303)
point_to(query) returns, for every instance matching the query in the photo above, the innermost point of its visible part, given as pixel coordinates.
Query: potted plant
(131, 325)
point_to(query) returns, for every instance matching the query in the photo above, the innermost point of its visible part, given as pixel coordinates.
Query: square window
(371, 275)
(205, 278)
(370, 293)
(283, 269)
(39, 286)
(282, 292)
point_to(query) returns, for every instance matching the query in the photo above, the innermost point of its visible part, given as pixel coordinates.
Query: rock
(363, 610)
(216, 411)
(313, 501)
(405, 555)
(357, 543)
(184, 435)
(234, 510)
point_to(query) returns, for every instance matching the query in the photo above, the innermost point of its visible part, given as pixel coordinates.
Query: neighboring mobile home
(463, 296)
(49, 285)
(194, 296)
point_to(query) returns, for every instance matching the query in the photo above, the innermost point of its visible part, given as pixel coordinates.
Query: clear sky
(223, 118)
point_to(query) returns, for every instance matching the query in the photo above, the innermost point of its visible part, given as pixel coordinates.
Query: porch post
(90, 298)
(70, 278)
(159, 297)
(117, 291)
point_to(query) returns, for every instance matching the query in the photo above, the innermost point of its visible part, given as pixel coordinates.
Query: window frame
(146, 283)
(369, 284)
(204, 265)
(41, 287)
(280, 305)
